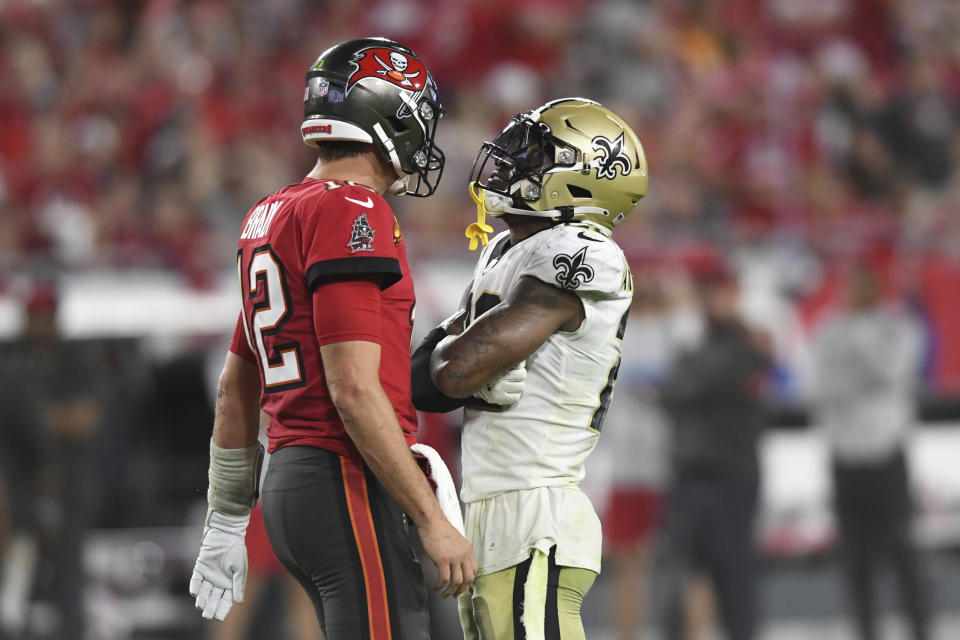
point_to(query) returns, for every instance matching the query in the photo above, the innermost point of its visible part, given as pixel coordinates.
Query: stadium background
(790, 139)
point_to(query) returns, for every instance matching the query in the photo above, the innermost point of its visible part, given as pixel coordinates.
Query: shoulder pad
(577, 258)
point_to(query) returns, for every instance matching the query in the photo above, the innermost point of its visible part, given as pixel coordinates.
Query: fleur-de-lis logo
(573, 271)
(613, 156)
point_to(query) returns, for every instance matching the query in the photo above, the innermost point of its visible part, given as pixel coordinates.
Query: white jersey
(542, 442)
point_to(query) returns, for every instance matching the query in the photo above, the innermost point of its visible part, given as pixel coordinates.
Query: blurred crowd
(790, 142)
(134, 134)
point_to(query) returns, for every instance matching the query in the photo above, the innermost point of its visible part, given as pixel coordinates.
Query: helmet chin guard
(496, 205)
(499, 205)
(399, 186)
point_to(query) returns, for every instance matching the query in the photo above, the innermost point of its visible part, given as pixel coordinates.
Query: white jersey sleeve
(579, 258)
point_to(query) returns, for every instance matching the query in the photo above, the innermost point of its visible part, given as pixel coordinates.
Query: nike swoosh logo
(586, 237)
(368, 204)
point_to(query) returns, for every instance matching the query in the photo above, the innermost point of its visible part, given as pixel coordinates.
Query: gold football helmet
(571, 159)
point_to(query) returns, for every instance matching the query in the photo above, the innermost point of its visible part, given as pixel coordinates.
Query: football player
(322, 346)
(540, 326)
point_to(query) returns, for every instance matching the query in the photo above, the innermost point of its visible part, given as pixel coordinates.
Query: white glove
(507, 388)
(220, 573)
(446, 490)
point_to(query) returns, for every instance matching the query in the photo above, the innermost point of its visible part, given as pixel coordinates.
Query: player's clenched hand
(220, 573)
(507, 388)
(452, 553)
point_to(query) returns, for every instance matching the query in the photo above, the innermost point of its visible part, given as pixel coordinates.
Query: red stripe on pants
(361, 518)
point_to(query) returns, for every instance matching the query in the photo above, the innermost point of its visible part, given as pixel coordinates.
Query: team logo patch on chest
(573, 271)
(361, 237)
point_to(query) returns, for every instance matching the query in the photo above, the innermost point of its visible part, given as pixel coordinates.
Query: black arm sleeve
(426, 396)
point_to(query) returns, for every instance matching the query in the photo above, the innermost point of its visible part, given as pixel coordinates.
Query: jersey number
(606, 395)
(267, 277)
(485, 301)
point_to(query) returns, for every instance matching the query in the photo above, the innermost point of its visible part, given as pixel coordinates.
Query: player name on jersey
(259, 221)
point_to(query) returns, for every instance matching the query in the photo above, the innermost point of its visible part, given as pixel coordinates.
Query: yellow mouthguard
(477, 231)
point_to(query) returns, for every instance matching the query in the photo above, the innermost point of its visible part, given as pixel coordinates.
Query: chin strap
(500, 205)
(477, 231)
(399, 186)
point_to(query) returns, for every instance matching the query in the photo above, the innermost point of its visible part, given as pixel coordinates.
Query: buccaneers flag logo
(401, 69)
(361, 237)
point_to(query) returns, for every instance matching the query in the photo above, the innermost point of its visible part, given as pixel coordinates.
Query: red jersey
(290, 242)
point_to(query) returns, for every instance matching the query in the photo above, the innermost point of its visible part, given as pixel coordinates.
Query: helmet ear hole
(397, 124)
(579, 192)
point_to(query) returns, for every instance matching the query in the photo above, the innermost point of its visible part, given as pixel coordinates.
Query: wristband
(234, 477)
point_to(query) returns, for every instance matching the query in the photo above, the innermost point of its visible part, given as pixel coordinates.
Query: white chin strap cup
(498, 205)
(446, 491)
(399, 186)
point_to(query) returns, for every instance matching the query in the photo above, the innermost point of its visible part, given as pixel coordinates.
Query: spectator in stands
(866, 364)
(714, 401)
(4, 544)
(4, 520)
(52, 395)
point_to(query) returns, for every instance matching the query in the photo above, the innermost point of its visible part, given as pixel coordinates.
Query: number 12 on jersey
(280, 364)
